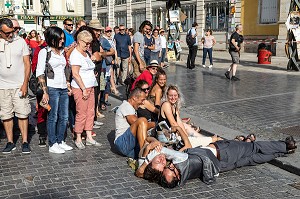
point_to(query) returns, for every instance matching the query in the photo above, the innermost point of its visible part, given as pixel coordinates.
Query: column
(200, 16)
(129, 14)
(283, 13)
(94, 9)
(149, 10)
(111, 13)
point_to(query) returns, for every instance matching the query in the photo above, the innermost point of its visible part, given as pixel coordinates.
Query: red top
(146, 75)
(32, 43)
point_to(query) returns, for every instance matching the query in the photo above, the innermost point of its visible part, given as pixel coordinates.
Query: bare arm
(184, 137)
(27, 70)
(131, 119)
(137, 55)
(150, 107)
(158, 95)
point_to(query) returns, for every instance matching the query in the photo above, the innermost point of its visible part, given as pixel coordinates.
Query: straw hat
(153, 63)
(95, 23)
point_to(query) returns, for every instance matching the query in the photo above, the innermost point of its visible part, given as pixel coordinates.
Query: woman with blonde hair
(83, 84)
(170, 113)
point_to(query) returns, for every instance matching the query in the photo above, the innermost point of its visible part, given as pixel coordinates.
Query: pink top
(208, 41)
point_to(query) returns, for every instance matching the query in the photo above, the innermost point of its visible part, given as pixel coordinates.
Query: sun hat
(153, 63)
(95, 23)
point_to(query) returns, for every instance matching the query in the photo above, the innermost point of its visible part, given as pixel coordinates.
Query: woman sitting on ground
(147, 110)
(169, 113)
(158, 88)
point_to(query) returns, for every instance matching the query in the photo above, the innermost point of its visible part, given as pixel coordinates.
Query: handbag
(33, 83)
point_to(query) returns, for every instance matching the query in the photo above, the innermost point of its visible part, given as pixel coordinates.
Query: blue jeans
(205, 51)
(58, 115)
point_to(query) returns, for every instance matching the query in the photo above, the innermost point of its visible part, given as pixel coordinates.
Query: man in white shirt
(14, 77)
(131, 131)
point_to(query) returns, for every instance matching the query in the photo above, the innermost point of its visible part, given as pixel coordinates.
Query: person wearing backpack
(192, 43)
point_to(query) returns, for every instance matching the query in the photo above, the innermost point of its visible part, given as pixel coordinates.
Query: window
(190, 12)
(119, 2)
(120, 18)
(268, 11)
(138, 16)
(137, 1)
(103, 18)
(216, 16)
(102, 3)
(28, 4)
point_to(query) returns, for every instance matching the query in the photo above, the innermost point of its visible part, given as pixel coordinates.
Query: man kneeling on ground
(131, 131)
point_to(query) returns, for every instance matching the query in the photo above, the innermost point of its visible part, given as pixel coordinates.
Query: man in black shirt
(234, 50)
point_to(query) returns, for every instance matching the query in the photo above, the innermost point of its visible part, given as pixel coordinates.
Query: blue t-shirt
(106, 47)
(148, 42)
(69, 39)
(122, 43)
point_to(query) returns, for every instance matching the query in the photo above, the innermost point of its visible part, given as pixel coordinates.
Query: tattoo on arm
(42, 82)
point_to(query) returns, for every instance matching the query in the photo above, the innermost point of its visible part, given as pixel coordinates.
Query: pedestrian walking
(55, 93)
(163, 47)
(14, 77)
(208, 42)
(236, 39)
(192, 47)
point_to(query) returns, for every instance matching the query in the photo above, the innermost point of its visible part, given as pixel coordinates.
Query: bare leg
(139, 130)
(234, 67)
(8, 127)
(23, 125)
(89, 136)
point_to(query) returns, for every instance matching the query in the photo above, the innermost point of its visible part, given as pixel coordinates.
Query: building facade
(207, 13)
(29, 12)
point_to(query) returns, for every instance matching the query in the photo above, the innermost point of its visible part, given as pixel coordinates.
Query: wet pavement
(264, 101)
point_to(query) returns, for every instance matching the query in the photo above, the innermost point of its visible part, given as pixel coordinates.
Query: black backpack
(190, 41)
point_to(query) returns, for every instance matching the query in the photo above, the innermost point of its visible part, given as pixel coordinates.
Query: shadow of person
(111, 139)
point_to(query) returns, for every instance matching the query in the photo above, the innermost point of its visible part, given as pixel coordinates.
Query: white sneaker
(210, 66)
(96, 126)
(98, 123)
(65, 147)
(56, 149)
(203, 66)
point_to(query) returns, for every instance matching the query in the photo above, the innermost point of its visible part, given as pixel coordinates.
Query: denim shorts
(126, 144)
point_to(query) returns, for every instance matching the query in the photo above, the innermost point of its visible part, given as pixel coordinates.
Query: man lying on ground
(206, 162)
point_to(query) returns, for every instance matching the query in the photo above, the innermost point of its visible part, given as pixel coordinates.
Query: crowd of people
(77, 70)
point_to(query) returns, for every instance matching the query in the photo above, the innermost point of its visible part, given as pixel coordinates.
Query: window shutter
(268, 11)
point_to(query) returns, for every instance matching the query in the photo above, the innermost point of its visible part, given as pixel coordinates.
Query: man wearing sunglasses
(68, 28)
(207, 162)
(14, 77)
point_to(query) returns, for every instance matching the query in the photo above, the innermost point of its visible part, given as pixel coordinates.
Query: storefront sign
(52, 18)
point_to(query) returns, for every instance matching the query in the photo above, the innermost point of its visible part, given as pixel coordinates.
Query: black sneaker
(227, 74)
(290, 145)
(26, 148)
(42, 142)
(9, 147)
(234, 78)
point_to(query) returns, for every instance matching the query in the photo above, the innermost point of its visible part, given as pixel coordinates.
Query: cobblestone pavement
(102, 173)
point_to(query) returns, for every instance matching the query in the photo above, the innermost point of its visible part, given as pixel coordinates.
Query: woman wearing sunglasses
(147, 110)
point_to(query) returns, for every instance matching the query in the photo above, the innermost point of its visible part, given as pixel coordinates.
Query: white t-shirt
(12, 71)
(58, 63)
(122, 124)
(163, 42)
(86, 70)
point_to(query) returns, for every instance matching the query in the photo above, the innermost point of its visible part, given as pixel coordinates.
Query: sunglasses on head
(7, 33)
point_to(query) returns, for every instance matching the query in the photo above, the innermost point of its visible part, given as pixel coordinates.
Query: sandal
(186, 120)
(240, 138)
(103, 107)
(197, 128)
